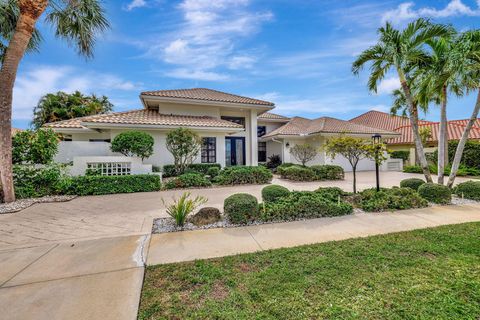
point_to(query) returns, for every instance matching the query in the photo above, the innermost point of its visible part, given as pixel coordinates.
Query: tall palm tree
(76, 21)
(405, 52)
(467, 65)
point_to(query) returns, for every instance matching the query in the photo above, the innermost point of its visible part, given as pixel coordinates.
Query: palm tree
(467, 65)
(62, 106)
(76, 21)
(405, 52)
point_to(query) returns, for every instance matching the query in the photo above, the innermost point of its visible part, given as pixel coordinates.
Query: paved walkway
(204, 244)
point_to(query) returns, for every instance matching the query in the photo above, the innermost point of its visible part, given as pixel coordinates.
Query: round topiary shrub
(133, 144)
(435, 193)
(469, 190)
(241, 208)
(274, 192)
(412, 183)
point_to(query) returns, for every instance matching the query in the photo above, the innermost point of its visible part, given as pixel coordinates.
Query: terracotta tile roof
(15, 131)
(145, 117)
(207, 95)
(382, 120)
(464, 122)
(302, 126)
(454, 130)
(272, 116)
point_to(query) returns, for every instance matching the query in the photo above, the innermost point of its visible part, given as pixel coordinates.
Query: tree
(78, 22)
(63, 106)
(34, 147)
(354, 150)
(303, 153)
(405, 52)
(133, 144)
(184, 145)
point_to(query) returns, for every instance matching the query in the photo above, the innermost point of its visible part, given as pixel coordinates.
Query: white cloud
(135, 4)
(208, 38)
(406, 11)
(388, 85)
(182, 73)
(32, 84)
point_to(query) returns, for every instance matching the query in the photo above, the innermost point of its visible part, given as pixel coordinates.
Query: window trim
(263, 151)
(264, 129)
(205, 152)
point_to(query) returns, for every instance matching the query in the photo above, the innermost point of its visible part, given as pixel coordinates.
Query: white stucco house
(235, 130)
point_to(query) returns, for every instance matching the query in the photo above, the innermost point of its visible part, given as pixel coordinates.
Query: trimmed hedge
(188, 180)
(202, 168)
(412, 169)
(391, 199)
(303, 204)
(283, 166)
(274, 192)
(32, 182)
(318, 172)
(98, 185)
(435, 193)
(241, 208)
(331, 193)
(400, 154)
(412, 183)
(244, 175)
(298, 173)
(468, 190)
(328, 172)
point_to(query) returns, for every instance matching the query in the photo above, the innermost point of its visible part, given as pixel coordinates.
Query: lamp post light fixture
(376, 142)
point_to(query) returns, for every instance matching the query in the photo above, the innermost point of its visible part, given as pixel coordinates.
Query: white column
(253, 138)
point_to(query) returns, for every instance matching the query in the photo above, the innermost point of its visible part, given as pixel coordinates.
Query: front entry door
(234, 151)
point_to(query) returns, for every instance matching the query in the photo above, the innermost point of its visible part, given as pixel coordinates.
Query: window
(262, 152)
(109, 168)
(99, 140)
(238, 120)
(261, 130)
(209, 150)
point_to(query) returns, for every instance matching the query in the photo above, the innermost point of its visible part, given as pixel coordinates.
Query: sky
(295, 53)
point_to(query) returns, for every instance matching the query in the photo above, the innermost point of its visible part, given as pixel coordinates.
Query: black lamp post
(376, 142)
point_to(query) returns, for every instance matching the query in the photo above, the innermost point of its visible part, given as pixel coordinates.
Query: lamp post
(376, 142)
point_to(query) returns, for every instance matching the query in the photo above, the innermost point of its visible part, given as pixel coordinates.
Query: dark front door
(235, 151)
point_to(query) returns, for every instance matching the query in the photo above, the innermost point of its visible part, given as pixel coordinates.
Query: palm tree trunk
(30, 11)
(461, 143)
(413, 115)
(442, 136)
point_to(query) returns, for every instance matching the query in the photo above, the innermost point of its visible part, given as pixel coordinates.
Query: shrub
(303, 153)
(244, 175)
(98, 185)
(391, 199)
(34, 147)
(412, 169)
(412, 183)
(188, 180)
(283, 166)
(31, 182)
(213, 172)
(274, 161)
(469, 190)
(400, 154)
(133, 144)
(184, 145)
(298, 173)
(331, 193)
(202, 168)
(303, 204)
(274, 192)
(241, 208)
(328, 172)
(435, 193)
(181, 208)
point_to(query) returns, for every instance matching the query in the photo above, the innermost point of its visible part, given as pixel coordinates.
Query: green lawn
(425, 274)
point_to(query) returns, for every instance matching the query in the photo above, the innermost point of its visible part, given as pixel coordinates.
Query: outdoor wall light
(287, 144)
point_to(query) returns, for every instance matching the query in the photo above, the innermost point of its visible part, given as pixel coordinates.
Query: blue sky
(295, 53)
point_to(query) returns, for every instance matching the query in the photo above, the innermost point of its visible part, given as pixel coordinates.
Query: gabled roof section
(273, 116)
(454, 131)
(382, 120)
(206, 95)
(144, 117)
(299, 126)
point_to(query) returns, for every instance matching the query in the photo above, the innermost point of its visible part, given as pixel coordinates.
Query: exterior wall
(189, 109)
(316, 142)
(67, 150)
(80, 164)
(274, 148)
(90, 135)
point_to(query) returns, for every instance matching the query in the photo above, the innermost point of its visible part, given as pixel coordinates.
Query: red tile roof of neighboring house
(302, 127)
(272, 116)
(454, 130)
(464, 122)
(207, 95)
(15, 131)
(145, 117)
(382, 120)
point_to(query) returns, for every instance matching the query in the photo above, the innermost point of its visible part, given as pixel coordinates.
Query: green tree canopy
(184, 145)
(34, 147)
(63, 106)
(133, 143)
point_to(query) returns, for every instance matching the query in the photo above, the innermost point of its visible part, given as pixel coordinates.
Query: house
(235, 130)
(16, 130)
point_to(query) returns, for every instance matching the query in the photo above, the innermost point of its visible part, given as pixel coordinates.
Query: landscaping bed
(21, 204)
(423, 274)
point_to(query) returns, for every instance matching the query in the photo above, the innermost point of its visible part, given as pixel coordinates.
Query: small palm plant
(181, 208)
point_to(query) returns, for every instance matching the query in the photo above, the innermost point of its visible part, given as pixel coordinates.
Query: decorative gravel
(459, 201)
(25, 203)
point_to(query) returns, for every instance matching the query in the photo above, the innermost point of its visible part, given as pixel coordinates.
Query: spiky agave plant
(180, 209)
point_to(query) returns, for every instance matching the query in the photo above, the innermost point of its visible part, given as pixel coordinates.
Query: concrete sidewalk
(211, 243)
(91, 279)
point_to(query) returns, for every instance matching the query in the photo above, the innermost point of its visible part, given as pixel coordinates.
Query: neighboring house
(15, 131)
(235, 130)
